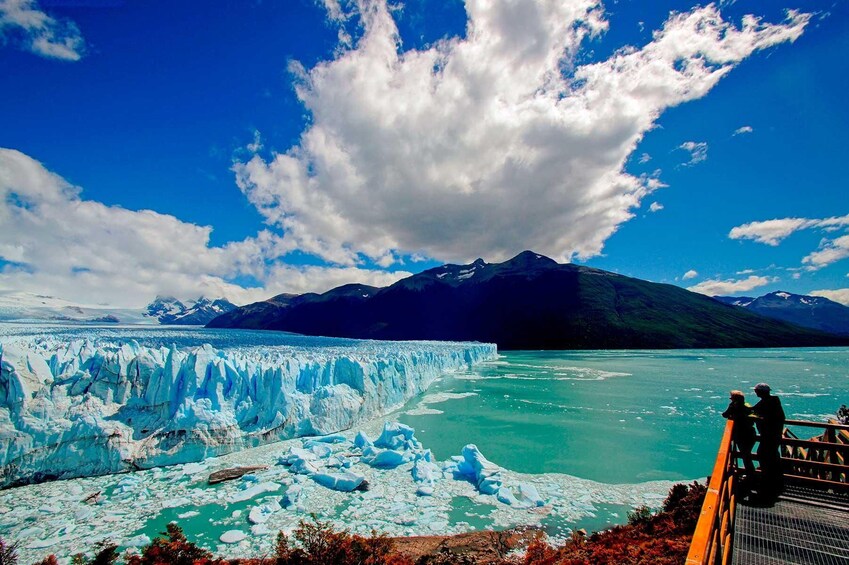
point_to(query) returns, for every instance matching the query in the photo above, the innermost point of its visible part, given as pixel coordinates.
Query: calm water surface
(619, 416)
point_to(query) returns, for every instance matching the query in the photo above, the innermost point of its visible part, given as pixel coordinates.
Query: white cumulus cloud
(482, 146)
(655, 207)
(691, 274)
(830, 251)
(23, 22)
(57, 243)
(840, 295)
(772, 232)
(743, 129)
(716, 287)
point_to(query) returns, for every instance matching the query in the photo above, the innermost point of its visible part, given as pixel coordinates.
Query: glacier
(84, 402)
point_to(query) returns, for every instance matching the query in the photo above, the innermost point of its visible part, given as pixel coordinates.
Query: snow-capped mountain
(171, 311)
(27, 306)
(20, 306)
(814, 312)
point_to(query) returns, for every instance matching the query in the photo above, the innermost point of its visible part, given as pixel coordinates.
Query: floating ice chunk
(397, 436)
(292, 496)
(260, 530)
(176, 502)
(332, 438)
(528, 495)
(42, 543)
(425, 470)
(362, 441)
(232, 536)
(321, 450)
(189, 514)
(33, 532)
(479, 470)
(300, 461)
(140, 540)
(385, 458)
(194, 468)
(296, 453)
(424, 491)
(506, 496)
(83, 513)
(253, 491)
(304, 467)
(345, 481)
(337, 462)
(260, 514)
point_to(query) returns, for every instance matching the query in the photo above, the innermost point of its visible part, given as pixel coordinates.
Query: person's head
(737, 396)
(762, 390)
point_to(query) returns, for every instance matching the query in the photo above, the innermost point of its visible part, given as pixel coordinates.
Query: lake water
(620, 416)
(596, 432)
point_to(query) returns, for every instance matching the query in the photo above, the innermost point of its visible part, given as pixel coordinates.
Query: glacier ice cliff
(92, 406)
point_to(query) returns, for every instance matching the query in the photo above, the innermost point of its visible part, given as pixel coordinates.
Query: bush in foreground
(648, 539)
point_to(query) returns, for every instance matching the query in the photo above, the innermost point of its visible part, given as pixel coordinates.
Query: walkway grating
(794, 531)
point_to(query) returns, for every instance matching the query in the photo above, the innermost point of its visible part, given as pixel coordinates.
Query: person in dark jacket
(770, 421)
(743, 433)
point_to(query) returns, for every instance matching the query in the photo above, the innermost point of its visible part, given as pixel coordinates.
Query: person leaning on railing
(744, 429)
(770, 421)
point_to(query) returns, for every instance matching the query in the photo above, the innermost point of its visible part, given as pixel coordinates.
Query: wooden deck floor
(803, 527)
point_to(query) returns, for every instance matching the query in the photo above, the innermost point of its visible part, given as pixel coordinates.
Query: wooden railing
(714, 531)
(821, 462)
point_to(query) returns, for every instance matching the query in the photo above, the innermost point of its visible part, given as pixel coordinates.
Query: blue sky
(248, 149)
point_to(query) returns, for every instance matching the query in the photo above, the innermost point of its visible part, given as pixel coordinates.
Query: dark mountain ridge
(527, 302)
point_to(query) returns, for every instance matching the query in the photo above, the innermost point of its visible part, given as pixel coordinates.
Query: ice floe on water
(90, 402)
(360, 481)
(423, 407)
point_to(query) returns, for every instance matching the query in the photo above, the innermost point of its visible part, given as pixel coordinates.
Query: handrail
(820, 461)
(709, 542)
(833, 425)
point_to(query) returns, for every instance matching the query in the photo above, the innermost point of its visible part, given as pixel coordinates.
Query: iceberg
(345, 482)
(76, 405)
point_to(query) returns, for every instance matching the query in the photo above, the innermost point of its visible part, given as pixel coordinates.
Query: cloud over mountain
(55, 242)
(490, 143)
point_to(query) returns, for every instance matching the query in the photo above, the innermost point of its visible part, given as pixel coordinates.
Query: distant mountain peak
(172, 311)
(816, 312)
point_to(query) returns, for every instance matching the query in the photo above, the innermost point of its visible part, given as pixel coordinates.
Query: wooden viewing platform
(808, 524)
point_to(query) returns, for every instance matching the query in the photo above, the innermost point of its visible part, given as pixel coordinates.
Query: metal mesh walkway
(796, 530)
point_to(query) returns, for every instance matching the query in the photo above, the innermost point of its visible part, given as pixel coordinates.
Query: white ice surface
(138, 504)
(84, 404)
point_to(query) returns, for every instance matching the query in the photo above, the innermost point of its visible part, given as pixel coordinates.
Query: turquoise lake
(619, 416)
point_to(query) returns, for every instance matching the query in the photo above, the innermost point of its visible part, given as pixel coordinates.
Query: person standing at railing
(770, 421)
(743, 434)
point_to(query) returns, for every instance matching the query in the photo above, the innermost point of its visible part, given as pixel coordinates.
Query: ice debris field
(389, 483)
